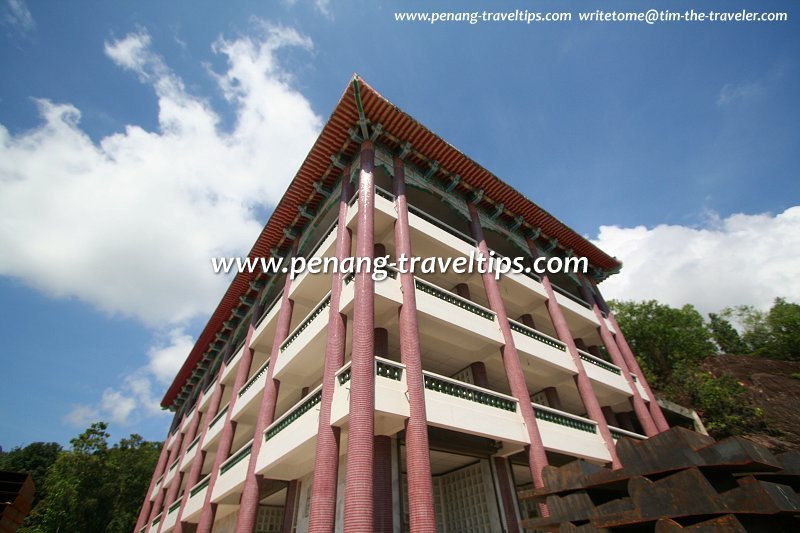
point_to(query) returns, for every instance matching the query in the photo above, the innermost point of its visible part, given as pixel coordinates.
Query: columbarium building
(421, 402)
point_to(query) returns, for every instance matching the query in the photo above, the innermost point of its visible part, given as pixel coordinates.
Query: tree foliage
(95, 487)
(34, 459)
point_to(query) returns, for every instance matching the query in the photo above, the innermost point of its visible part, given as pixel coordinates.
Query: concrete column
(537, 457)
(422, 515)
(642, 413)
(144, 513)
(584, 385)
(196, 471)
(251, 493)
(611, 416)
(507, 499)
(479, 376)
(358, 501)
(326, 463)
(553, 400)
(382, 484)
(289, 506)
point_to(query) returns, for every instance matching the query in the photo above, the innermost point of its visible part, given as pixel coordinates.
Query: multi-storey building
(420, 402)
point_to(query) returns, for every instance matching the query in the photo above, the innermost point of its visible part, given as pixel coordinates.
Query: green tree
(664, 338)
(723, 404)
(726, 336)
(34, 459)
(94, 487)
(774, 334)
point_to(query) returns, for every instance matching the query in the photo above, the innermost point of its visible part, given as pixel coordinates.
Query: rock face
(773, 389)
(676, 480)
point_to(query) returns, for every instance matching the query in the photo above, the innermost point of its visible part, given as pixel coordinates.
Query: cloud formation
(18, 16)
(741, 259)
(128, 224)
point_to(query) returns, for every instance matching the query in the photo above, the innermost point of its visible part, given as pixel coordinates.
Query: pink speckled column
(537, 458)
(639, 407)
(174, 451)
(358, 500)
(382, 484)
(144, 514)
(289, 507)
(251, 493)
(633, 365)
(422, 515)
(506, 494)
(326, 462)
(196, 471)
(582, 381)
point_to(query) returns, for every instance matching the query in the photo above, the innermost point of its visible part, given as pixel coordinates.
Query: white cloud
(128, 224)
(731, 93)
(18, 16)
(741, 259)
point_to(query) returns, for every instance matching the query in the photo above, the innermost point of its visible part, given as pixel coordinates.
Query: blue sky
(139, 138)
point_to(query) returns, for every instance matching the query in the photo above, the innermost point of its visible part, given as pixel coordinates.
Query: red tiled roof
(317, 167)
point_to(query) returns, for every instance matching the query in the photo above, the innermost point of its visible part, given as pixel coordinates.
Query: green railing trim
(219, 415)
(617, 434)
(311, 316)
(174, 464)
(293, 415)
(441, 225)
(533, 334)
(261, 372)
(600, 363)
(468, 393)
(344, 376)
(236, 459)
(198, 488)
(564, 420)
(174, 507)
(453, 299)
(192, 445)
(387, 370)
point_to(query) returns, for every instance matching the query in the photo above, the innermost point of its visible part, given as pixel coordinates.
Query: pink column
(639, 407)
(289, 507)
(537, 459)
(178, 479)
(633, 365)
(144, 514)
(506, 494)
(196, 471)
(382, 484)
(358, 512)
(422, 515)
(584, 385)
(251, 493)
(326, 462)
(173, 453)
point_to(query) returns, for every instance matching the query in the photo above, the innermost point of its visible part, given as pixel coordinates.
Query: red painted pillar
(326, 462)
(582, 381)
(537, 458)
(144, 514)
(173, 454)
(358, 500)
(172, 494)
(642, 413)
(506, 494)
(248, 505)
(633, 365)
(289, 506)
(196, 471)
(422, 515)
(382, 484)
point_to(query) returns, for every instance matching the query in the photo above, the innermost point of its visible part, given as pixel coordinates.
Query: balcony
(570, 434)
(172, 516)
(432, 228)
(459, 314)
(154, 524)
(544, 349)
(574, 304)
(189, 455)
(156, 488)
(232, 473)
(215, 428)
(300, 353)
(173, 469)
(602, 371)
(188, 420)
(618, 433)
(289, 442)
(197, 496)
(251, 391)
